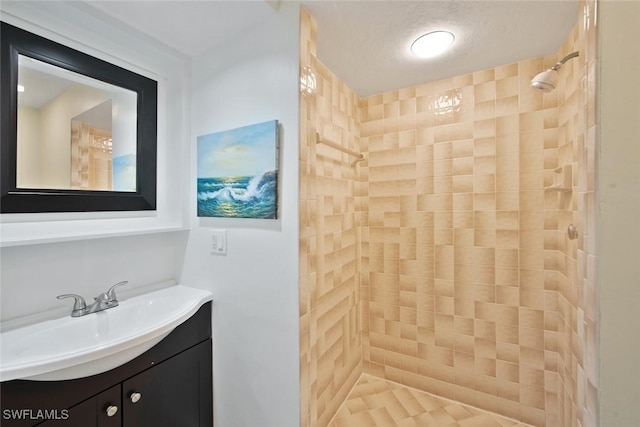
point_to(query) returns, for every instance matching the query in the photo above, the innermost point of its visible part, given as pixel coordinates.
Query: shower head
(547, 80)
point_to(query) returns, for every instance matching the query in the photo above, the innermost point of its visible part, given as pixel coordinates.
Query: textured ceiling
(189, 26)
(366, 43)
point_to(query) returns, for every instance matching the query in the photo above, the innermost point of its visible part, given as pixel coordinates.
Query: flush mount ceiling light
(432, 44)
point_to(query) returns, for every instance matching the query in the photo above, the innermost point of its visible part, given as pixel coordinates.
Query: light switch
(218, 242)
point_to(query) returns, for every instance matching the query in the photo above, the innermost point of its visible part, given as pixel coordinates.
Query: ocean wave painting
(237, 172)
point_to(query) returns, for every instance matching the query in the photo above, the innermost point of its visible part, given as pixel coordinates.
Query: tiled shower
(442, 261)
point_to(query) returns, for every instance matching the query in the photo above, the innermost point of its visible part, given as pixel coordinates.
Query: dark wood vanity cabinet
(169, 385)
(169, 394)
(91, 412)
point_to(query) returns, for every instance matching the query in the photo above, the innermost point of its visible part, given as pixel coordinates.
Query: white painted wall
(28, 168)
(248, 79)
(32, 274)
(619, 212)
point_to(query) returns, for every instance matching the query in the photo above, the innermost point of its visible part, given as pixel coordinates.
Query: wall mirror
(78, 133)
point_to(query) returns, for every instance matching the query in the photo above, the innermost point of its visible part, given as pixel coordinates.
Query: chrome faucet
(102, 302)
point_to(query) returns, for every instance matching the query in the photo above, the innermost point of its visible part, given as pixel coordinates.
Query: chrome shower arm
(565, 59)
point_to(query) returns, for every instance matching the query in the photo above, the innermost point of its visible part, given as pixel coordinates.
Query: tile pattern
(469, 288)
(576, 259)
(330, 219)
(453, 282)
(469, 283)
(375, 402)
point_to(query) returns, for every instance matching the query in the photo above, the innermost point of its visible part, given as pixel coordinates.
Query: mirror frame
(13, 199)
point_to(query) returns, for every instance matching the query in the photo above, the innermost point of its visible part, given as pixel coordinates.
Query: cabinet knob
(112, 410)
(135, 397)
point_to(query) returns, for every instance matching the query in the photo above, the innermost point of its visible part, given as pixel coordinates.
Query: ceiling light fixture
(432, 44)
(20, 88)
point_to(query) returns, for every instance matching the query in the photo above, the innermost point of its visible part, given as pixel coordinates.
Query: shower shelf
(562, 180)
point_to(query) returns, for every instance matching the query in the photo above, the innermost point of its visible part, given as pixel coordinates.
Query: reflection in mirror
(92, 149)
(74, 132)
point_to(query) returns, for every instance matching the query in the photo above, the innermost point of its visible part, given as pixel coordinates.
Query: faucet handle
(111, 293)
(79, 306)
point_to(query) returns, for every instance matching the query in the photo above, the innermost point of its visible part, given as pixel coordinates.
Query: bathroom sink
(76, 347)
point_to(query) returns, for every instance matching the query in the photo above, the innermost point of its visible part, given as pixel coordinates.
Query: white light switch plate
(218, 242)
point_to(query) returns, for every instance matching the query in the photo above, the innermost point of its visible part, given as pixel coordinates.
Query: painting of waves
(237, 172)
(238, 196)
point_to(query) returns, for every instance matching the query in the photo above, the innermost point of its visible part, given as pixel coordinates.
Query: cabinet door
(176, 392)
(102, 410)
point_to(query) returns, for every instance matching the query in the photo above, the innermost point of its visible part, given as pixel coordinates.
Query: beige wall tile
(467, 283)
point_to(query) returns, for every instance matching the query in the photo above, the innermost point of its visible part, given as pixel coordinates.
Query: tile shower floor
(375, 402)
